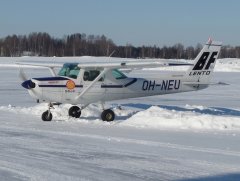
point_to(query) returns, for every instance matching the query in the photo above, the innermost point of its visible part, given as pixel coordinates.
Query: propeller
(27, 83)
(22, 75)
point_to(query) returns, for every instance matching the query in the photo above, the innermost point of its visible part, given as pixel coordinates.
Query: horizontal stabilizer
(201, 83)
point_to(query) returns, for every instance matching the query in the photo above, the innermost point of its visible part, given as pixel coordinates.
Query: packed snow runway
(187, 136)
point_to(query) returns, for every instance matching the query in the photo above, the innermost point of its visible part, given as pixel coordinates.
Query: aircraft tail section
(201, 71)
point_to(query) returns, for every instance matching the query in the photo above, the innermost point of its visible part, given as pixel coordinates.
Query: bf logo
(203, 59)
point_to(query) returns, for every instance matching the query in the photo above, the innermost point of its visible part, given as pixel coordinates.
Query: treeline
(42, 44)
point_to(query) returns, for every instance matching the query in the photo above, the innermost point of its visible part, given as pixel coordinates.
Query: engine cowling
(28, 84)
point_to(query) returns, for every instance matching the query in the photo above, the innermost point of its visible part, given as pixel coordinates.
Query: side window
(118, 75)
(91, 75)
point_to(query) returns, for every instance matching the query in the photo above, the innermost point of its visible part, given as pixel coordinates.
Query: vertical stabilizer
(204, 63)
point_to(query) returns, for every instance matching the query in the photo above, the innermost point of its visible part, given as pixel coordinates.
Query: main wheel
(47, 116)
(74, 111)
(108, 115)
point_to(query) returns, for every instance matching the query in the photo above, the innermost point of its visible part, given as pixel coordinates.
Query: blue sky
(138, 22)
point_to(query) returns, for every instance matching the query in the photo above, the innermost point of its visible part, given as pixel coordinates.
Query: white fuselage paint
(109, 89)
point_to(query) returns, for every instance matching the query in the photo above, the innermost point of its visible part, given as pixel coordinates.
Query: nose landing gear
(47, 115)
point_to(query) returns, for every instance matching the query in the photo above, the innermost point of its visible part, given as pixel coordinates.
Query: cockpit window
(118, 75)
(69, 70)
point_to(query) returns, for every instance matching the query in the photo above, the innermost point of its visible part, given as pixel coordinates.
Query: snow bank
(228, 65)
(157, 117)
(154, 117)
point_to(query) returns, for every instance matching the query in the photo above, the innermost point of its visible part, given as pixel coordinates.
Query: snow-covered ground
(187, 136)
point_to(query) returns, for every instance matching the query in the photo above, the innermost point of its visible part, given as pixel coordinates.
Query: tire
(108, 115)
(74, 111)
(46, 116)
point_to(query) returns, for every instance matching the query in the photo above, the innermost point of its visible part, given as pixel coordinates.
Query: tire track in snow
(135, 141)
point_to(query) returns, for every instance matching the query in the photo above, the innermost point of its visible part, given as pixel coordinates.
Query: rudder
(204, 63)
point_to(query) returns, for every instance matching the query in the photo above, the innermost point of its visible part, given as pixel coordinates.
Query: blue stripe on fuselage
(130, 83)
(111, 86)
(120, 86)
(51, 78)
(79, 86)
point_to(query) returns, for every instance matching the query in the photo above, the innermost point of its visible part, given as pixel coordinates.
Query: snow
(155, 117)
(187, 136)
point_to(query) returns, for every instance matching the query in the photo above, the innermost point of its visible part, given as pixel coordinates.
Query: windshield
(69, 70)
(118, 75)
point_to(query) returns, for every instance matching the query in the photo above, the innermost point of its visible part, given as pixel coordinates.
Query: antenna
(209, 42)
(112, 53)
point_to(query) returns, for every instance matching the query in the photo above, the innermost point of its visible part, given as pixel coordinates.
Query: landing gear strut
(74, 111)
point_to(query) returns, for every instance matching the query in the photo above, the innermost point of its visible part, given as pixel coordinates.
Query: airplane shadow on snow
(215, 111)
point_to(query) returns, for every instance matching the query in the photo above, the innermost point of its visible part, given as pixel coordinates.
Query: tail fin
(204, 63)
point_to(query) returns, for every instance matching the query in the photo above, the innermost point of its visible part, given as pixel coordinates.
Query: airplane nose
(28, 84)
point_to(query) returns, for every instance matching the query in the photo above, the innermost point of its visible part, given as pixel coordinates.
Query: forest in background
(42, 44)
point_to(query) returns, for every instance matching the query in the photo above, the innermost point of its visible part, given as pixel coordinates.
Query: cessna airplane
(103, 80)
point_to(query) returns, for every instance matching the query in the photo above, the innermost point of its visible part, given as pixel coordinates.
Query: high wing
(104, 62)
(39, 64)
(50, 66)
(133, 64)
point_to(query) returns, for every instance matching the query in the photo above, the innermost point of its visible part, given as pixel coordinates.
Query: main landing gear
(75, 111)
(108, 115)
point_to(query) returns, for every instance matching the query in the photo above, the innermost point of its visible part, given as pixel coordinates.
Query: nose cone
(28, 84)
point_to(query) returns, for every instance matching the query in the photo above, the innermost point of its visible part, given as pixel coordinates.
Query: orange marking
(70, 84)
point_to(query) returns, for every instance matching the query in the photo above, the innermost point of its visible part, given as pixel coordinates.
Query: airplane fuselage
(65, 90)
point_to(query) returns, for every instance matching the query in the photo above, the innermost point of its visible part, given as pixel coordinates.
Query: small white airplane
(101, 81)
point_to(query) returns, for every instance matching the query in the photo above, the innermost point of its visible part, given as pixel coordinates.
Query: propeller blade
(22, 75)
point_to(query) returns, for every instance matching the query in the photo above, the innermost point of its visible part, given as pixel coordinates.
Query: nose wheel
(47, 116)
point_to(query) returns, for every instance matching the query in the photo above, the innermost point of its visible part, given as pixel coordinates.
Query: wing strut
(90, 85)
(51, 69)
